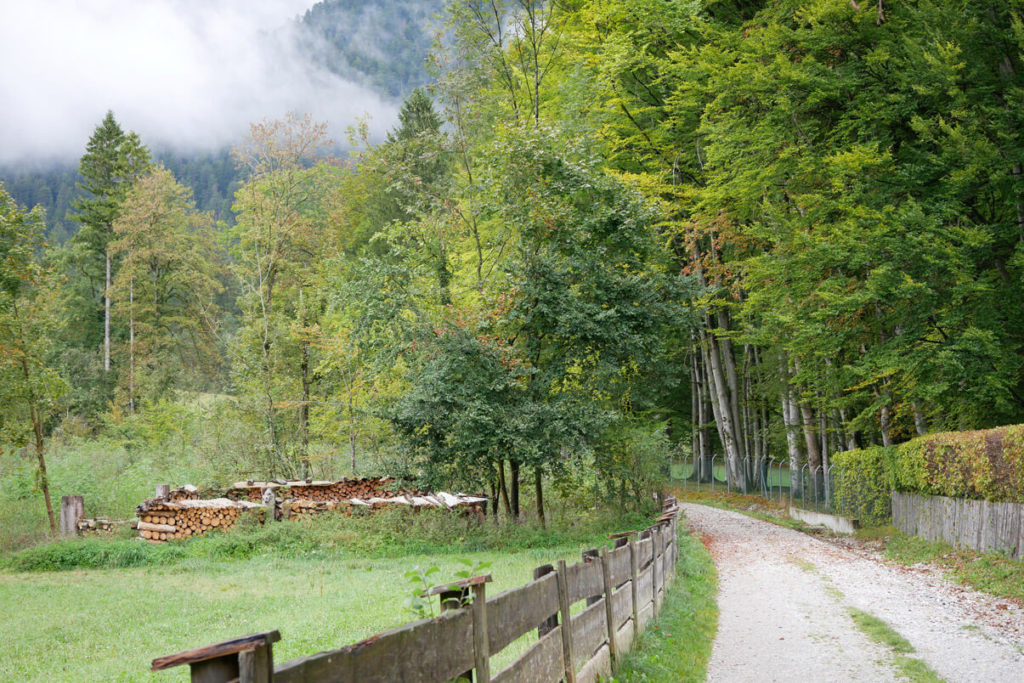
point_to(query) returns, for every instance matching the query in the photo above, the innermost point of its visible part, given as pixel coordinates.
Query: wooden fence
(622, 587)
(976, 524)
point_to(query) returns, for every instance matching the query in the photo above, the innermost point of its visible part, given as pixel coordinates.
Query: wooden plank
(227, 647)
(589, 631)
(409, 652)
(643, 587)
(634, 577)
(646, 612)
(541, 663)
(619, 564)
(520, 610)
(584, 581)
(598, 668)
(452, 585)
(644, 549)
(624, 637)
(622, 605)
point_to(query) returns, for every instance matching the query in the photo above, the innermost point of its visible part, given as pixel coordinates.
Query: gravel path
(783, 601)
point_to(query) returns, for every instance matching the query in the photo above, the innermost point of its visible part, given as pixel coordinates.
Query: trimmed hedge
(861, 485)
(984, 465)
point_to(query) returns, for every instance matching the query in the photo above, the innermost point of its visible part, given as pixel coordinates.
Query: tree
(111, 163)
(165, 288)
(29, 387)
(280, 234)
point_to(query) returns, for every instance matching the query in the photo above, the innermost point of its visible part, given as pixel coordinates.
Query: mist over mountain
(189, 78)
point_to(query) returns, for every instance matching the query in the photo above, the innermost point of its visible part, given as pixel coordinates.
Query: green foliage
(861, 484)
(981, 464)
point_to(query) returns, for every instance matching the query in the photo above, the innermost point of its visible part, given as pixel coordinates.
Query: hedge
(861, 485)
(986, 465)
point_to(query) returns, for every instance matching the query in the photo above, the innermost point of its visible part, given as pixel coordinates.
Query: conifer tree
(113, 159)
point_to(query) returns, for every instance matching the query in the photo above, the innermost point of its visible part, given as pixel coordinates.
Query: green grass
(677, 646)
(323, 584)
(911, 668)
(991, 573)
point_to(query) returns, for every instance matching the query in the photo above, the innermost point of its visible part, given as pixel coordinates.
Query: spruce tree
(113, 159)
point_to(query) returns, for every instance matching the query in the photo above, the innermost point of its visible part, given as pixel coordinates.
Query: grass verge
(911, 668)
(988, 572)
(677, 646)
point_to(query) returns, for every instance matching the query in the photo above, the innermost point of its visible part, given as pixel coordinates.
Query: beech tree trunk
(538, 481)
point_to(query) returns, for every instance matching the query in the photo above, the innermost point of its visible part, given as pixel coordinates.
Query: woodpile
(98, 526)
(163, 520)
(180, 513)
(308, 489)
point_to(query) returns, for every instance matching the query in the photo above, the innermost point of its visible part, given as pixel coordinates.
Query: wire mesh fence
(772, 478)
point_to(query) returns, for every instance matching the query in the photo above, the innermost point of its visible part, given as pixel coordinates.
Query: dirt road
(785, 601)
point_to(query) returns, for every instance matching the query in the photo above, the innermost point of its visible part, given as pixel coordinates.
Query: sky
(192, 74)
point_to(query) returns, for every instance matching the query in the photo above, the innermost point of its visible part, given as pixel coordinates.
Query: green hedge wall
(861, 485)
(986, 465)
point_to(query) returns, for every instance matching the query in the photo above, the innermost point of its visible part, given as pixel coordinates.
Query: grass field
(107, 624)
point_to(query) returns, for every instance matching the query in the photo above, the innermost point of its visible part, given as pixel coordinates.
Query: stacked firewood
(308, 489)
(161, 520)
(99, 526)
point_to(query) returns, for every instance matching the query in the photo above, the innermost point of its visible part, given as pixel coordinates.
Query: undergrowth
(386, 533)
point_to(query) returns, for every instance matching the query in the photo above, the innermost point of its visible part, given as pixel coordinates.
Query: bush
(985, 464)
(860, 484)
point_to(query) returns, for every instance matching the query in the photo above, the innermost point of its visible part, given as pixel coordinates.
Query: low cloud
(191, 74)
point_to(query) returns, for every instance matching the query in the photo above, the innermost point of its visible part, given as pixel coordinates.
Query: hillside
(379, 44)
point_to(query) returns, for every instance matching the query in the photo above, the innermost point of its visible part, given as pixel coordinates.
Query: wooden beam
(227, 647)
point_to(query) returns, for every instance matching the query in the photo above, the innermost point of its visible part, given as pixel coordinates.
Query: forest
(603, 232)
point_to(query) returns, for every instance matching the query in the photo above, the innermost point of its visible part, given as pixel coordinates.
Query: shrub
(985, 464)
(861, 484)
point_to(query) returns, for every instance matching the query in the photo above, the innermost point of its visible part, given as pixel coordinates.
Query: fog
(188, 74)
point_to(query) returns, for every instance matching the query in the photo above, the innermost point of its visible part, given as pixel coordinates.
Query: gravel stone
(783, 600)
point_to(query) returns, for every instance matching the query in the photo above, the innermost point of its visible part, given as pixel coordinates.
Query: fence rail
(623, 588)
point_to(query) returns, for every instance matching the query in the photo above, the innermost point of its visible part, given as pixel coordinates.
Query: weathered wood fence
(976, 524)
(622, 587)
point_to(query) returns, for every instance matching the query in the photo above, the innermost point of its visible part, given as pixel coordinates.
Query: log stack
(308, 489)
(163, 520)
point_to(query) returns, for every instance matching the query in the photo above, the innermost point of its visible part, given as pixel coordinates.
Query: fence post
(256, 666)
(633, 586)
(72, 509)
(655, 534)
(566, 619)
(551, 622)
(481, 646)
(609, 589)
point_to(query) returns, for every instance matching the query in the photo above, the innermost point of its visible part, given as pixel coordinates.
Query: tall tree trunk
(304, 411)
(352, 433)
(503, 488)
(790, 421)
(724, 416)
(514, 467)
(106, 316)
(920, 426)
(538, 482)
(131, 345)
